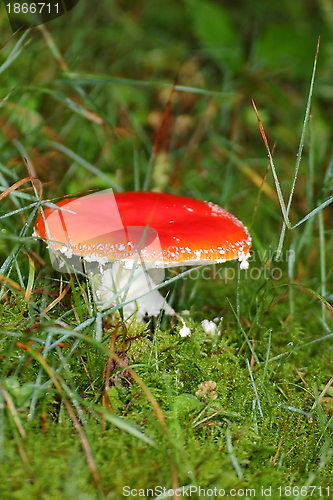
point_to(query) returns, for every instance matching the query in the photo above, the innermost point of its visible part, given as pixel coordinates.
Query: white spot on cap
(96, 258)
(67, 251)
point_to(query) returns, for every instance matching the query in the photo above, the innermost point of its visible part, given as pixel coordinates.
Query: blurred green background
(104, 96)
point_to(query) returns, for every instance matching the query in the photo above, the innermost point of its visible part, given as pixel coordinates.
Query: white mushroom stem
(120, 285)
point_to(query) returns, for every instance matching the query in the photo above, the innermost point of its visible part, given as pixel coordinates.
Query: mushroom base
(133, 290)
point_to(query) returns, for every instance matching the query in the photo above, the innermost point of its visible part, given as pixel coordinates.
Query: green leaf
(127, 426)
(286, 48)
(211, 23)
(186, 403)
(213, 27)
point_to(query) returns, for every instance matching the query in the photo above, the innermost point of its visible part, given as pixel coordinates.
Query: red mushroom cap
(107, 226)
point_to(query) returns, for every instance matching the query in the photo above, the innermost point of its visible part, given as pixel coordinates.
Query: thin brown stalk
(19, 183)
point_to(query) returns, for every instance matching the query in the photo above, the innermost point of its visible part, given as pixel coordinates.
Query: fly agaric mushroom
(139, 231)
